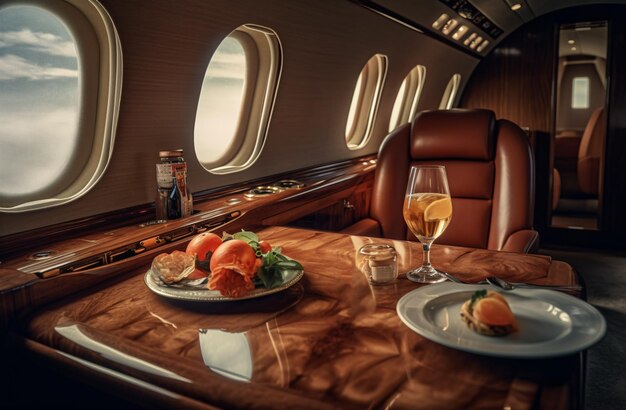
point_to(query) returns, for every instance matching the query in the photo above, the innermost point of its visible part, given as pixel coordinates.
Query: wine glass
(427, 211)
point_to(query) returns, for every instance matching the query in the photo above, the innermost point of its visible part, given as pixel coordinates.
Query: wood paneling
(342, 213)
(515, 80)
(97, 241)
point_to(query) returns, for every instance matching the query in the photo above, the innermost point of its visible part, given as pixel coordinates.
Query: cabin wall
(515, 80)
(166, 47)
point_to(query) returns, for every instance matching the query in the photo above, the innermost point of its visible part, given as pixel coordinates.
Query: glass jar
(171, 173)
(378, 262)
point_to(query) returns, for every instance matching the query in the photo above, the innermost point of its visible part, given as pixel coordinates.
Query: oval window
(365, 100)
(236, 99)
(449, 94)
(59, 110)
(405, 107)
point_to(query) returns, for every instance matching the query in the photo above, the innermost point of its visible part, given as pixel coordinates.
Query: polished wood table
(330, 341)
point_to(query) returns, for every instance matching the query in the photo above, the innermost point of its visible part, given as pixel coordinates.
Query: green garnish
(246, 236)
(274, 264)
(271, 272)
(479, 294)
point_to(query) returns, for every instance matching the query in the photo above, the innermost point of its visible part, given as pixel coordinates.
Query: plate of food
(524, 323)
(223, 269)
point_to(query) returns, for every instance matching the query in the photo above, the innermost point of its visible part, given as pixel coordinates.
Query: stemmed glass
(427, 211)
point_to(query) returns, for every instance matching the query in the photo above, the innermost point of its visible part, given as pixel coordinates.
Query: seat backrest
(490, 172)
(590, 153)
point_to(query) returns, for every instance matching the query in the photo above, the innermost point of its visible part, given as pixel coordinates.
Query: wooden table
(330, 341)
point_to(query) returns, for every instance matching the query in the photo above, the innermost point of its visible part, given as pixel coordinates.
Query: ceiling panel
(475, 15)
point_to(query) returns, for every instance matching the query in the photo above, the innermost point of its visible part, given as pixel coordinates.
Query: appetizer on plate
(489, 314)
(234, 264)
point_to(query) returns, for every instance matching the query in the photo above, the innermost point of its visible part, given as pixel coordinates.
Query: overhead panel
(476, 26)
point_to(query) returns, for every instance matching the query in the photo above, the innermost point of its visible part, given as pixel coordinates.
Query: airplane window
(221, 106)
(405, 107)
(58, 111)
(236, 99)
(447, 100)
(365, 102)
(580, 92)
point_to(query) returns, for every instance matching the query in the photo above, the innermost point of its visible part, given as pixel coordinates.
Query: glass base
(425, 274)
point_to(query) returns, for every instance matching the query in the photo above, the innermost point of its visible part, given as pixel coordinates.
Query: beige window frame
(100, 65)
(365, 102)
(264, 56)
(449, 94)
(407, 100)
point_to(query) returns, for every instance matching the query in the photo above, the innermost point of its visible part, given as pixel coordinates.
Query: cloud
(227, 65)
(36, 148)
(42, 42)
(13, 67)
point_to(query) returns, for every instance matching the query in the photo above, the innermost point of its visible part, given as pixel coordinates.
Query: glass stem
(426, 248)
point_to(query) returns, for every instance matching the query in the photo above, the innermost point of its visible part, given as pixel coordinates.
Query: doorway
(580, 125)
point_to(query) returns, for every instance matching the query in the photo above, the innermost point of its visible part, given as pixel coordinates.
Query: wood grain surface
(330, 341)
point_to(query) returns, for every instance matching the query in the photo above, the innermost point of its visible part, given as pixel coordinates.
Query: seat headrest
(453, 134)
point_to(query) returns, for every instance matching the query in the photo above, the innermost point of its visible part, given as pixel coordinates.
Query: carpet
(605, 278)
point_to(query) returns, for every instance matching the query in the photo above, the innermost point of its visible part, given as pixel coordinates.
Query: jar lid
(377, 251)
(171, 153)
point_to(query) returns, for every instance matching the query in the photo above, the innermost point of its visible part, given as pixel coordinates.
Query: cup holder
(288, 184)
(42, 255)
(276, 187)
(261, 191)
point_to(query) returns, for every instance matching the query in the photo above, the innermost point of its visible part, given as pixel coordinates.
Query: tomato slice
(265, 246)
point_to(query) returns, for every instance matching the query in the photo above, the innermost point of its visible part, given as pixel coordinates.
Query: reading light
(482, 46)
(439, 22)
(450, 25)
(460, 32)
(475, 42)
(573, 48)
(570, 41)
(516, 6)
(469, 39)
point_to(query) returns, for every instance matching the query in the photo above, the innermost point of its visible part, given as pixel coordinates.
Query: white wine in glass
(427, 211)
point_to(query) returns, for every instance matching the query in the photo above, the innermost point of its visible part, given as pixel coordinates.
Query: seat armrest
(523, 241)
(364, 227)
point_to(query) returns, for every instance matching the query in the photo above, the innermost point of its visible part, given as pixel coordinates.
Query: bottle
(171, 163)
(175, 199)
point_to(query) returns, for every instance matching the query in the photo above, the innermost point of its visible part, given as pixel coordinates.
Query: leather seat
(490, 172)
(590, 153)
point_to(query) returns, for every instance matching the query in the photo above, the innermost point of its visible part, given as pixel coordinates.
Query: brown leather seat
(490, 173)
(590, 153)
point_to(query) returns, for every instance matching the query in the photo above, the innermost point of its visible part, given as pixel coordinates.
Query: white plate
(550, 323)
(202, 294)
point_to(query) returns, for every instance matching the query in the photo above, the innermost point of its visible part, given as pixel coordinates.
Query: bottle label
(383, 273)
(167, 172)
(179, 204)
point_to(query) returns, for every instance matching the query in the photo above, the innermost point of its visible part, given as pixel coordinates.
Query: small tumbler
(378, 262)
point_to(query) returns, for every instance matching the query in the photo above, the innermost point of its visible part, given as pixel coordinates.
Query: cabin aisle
(605, 278)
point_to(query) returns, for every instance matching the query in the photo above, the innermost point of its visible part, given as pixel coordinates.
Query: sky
(39, 99)
(220, 101)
